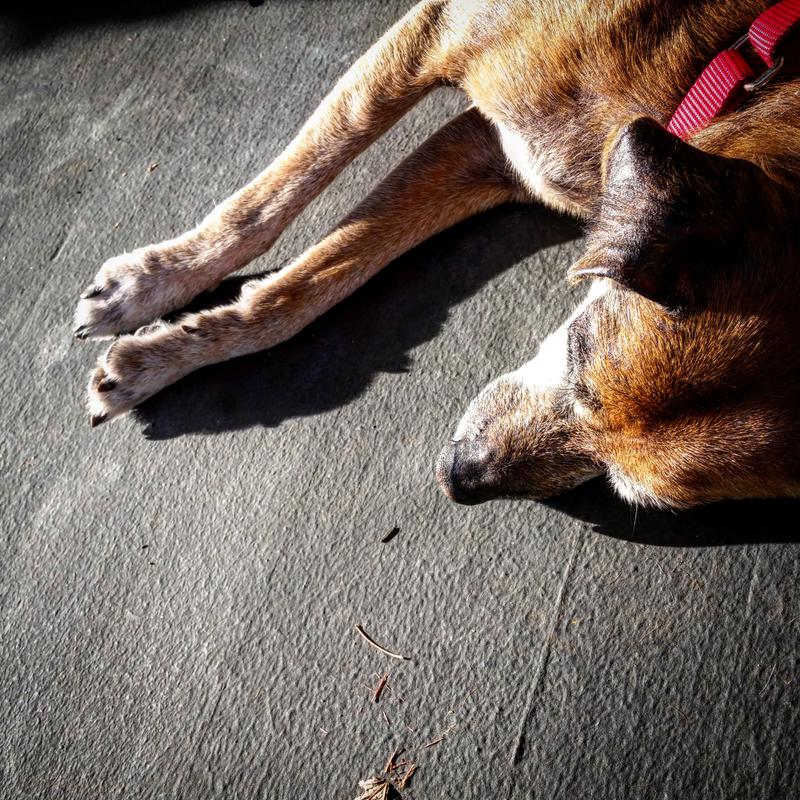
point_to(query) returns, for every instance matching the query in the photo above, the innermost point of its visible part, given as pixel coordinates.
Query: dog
(677, 377)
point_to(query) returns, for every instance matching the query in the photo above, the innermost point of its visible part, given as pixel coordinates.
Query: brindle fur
(681, 382)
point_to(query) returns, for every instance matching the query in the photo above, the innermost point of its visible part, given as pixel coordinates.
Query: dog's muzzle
(463, 471)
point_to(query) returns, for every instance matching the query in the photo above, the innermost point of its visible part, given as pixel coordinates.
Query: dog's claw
(81, 332)
(97, 419)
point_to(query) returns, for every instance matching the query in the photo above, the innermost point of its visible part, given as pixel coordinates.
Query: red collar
(724, 83)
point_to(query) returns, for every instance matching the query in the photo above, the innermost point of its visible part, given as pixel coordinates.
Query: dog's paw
(134, 368)
(128, 291)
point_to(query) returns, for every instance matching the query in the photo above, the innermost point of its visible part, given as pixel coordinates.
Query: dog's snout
(463, 471)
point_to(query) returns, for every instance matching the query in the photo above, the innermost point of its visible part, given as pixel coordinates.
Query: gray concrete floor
(179, 589)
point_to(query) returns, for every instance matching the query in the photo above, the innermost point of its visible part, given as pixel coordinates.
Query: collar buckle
(766, 76)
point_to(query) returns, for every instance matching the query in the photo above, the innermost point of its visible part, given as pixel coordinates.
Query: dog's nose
(463, 473)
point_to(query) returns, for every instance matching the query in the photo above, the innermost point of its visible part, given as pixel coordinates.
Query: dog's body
(677, 376)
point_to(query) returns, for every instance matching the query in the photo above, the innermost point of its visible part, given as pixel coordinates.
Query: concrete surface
(179, 589)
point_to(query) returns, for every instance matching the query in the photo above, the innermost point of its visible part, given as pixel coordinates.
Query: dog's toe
(135, 367)
(126, 293)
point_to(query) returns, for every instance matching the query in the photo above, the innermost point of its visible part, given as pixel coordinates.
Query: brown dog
(678, 376)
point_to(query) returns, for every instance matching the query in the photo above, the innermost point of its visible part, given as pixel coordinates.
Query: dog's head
(678, 376)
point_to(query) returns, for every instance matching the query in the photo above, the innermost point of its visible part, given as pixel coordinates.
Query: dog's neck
(765, 132)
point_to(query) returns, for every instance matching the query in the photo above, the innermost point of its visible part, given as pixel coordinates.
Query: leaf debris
(395, 777)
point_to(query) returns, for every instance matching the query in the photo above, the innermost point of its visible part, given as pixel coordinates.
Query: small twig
(440, 738)
(376, 695)
(386, 718)
(772, 672)
(401, 768)
(390, 764)
(407, 777)
(434, 742)
(390, 535)
(400, 765)
(383, 650)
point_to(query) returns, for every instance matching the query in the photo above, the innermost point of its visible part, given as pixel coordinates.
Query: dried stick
(376, 695)
(383, 650)
(407, 777)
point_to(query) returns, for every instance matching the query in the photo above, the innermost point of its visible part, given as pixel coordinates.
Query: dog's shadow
(720, 524)
(29, 24)
(333, 360)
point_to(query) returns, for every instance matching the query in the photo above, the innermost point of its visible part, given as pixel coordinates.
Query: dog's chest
(540, 168)
(530, 164)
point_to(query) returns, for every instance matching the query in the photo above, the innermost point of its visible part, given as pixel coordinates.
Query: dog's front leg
(459, 171)
(138, 287)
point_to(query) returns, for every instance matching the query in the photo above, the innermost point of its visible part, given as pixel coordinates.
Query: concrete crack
(544, 654)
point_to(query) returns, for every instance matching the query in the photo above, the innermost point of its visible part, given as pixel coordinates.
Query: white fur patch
(549, 368)
(530, 167)
(632, 492)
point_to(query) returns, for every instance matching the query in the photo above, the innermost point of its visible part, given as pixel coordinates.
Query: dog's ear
(668, 212)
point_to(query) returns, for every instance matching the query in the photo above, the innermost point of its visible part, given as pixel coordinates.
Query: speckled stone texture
(178, 590)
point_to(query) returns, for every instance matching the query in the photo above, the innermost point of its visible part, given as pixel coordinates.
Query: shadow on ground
(333, 361)
(29, 24)
(729, 523)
